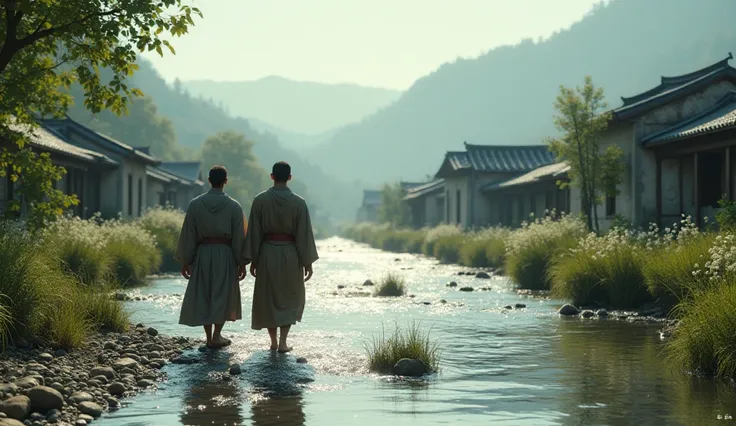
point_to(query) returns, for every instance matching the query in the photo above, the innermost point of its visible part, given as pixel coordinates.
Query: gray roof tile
(425, 189)
(500, 159)
(536, 175)
(722, 115)
(189, 170)
(46, 139)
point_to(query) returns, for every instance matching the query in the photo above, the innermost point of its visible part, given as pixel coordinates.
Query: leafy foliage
(392, 209)
(597, 171)
(726, 216)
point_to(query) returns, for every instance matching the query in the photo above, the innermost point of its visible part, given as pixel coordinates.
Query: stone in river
(602, 313)
(17, 407)
(452, 284)
(11, 422)
(81, 396)
(124, 363)
(108, 372)
(235, 369)
(508, 307)
(60, 353)
(340, 287)
(152, 331)
(483, 275)
(568, 309)
(90, 408)
(301, 360)
(116, 388)
(443, 301)
(27, 382)
(466, 289)
(145, 383)
(86, 417)
(368, 283)
(410, 368)
(587, 313)
(80, 422)
(45, 357)
(520, 306)
(44, 399)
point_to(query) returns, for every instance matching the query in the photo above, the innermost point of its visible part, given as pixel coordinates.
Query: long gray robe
(213, 291)
(278, 296)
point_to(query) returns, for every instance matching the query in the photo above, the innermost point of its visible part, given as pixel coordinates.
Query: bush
(602, 270)
(391, 286)
(101, 311)
(704, 342)
(434, 234)
(385, 351)
(672, 270)
(165, 225)
(531, 249)
(447, 248)
(485, 248)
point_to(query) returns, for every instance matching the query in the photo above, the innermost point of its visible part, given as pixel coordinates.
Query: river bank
(684, 275)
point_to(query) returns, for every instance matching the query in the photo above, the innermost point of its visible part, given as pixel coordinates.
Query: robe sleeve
(186, 248)
(254, 235)
(239, 232)
(305, 244)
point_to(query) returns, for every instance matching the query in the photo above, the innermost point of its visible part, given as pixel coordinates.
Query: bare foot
(219, 342)
(283, 350)
(274, 347)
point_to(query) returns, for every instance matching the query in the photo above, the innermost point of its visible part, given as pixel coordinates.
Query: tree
(246, 177)
(392, 209)
(593, 169)
(46, 45)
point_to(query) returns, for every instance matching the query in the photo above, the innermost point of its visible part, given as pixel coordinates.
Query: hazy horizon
(332, 42)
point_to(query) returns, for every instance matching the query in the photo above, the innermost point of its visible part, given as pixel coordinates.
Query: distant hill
(292, 140)
(295, 106)
(506, 96)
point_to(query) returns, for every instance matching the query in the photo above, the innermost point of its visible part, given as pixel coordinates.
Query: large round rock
(17, 407)
(90, 408)
(11, 422)
(44, 399)
(568, 310)
(410, 368)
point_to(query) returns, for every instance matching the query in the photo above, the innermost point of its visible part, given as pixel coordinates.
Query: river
(520, 367)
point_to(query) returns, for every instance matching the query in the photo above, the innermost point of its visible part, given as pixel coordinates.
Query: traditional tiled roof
(103, 140)
(550, 171)
(189, 170)
(371, 197)
(498, 158)
(425, 189)
(407, 186)
(49, 140)
(671, 88)
(719, 117)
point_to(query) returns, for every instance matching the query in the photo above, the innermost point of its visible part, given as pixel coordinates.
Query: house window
(447, 206)
(140, 196)
(162, 198)
(130, 195)
(610, 206)
(457, 202)
(549, 202)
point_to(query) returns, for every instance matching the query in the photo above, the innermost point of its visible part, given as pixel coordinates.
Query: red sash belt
(223, 241)
(280, 237)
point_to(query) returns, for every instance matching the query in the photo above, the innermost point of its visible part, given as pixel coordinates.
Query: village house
(368, 210)
(426, 203)
(468, 176)
(678, 141)
(106, 175)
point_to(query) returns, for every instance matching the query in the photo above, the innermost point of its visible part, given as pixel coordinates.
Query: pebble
(368, 283)
(235, 369)
(520, 306)
(116, 388)
(90, 408)
(466, 289)
(16, 407)
(60, 353)
(152, 331)
(482, 275)
(145, 383)
(45, 357)
(452, 284)
(80, 422)
(301, 360)
(587, 314)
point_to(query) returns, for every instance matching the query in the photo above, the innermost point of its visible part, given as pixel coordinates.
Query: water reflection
(210, 399)
(277, 383)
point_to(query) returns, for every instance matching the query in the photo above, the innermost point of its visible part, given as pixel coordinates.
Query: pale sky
(380, 43)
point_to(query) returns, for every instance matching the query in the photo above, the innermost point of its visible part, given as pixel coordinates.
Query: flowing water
(519, 367)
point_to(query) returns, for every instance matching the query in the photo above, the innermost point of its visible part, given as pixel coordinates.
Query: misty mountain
(295, 106)
(292, 140)
(506, 96)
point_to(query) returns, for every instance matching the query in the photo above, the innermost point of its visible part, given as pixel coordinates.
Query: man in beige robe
(280, 246)
(211, 250)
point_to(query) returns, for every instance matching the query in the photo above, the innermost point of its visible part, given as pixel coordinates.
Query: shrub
(447, 248)
(603, 270)
(78, 246)
(132, 251)
(391, 286)
(704, 342)
(672, 270)
(530, 249)
(413, 343)
(434, 234)
(165, 225)
(101, 311)
(484, 248)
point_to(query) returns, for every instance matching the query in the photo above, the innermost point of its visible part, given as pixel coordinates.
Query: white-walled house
(677, 139)
(467, 173)
(426, 203)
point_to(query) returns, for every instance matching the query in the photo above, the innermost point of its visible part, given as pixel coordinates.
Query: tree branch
(38, 35)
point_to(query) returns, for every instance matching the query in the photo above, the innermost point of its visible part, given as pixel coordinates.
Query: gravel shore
(42, 386)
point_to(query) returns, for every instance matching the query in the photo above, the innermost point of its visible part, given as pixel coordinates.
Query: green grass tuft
(413, 343)
(391, 286)
(669, 270)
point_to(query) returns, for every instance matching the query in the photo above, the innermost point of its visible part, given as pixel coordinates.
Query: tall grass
(412, 342)
(42, 299)
(704, 342)
(531, 249)
(391, 285)
(484, 248)
(672, 270)
(164, 224)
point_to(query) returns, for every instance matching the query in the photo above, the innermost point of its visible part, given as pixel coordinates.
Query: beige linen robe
(213, 291)
(278, 296)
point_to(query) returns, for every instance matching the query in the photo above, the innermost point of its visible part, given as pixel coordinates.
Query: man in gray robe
(211, 250)
(280, 246)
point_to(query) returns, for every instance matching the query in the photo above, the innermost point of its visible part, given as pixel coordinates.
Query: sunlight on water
(499, 366)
